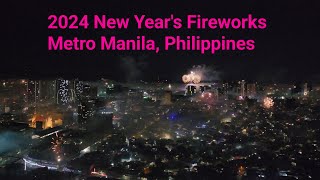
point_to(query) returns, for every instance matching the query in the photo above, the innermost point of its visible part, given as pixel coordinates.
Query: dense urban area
(74, 129)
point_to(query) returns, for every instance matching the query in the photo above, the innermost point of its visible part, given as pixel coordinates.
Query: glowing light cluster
(268, 102)
(63, 91)
(56, 142)
(166, 136)
(48, 120)
(79, 88)
(65, 94)
(191, 78)
(241, 170)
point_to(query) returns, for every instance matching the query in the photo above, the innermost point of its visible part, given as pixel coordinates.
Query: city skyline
(216, 103)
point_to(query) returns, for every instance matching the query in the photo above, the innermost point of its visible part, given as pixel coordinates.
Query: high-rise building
(93, 117)
(242, 88)
(90, 91)
(33, 91)
(65, 92)
(101, 92)
(85, 111)
(191, 90)
(251, 90)
(41, 90)
(305, 89)
(48, 90)
(78, 88)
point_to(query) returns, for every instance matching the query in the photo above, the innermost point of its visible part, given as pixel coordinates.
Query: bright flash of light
(166, 136)
(56, 142)
(268, 102)
(241, 171)
(196, 78)
(192, 77)
(186, 78)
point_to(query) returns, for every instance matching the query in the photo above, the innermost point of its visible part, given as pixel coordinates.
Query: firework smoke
(206, 73)
(133, 67)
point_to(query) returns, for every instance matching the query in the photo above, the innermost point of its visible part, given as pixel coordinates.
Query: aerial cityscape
(160, 90)
(192, 129)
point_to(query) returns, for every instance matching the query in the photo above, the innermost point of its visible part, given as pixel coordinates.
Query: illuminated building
(90, 91)
(191, 90)
(96, 89)
(85, 111)
(251, 90)
(101, 92)
(305, 89)
(226, 88)
(242, 89)
(41, 90)
(78, 88)
(93, 117)
(65, 92)
(33, 91)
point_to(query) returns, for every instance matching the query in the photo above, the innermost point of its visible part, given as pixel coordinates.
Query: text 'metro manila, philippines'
(143, 43)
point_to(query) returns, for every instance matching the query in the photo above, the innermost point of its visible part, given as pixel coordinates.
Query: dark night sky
(286, 51)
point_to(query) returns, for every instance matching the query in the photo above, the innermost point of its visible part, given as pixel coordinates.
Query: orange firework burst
(268, 102)
(196, 79)
(186, 78)
(56, 142)
(192, 77)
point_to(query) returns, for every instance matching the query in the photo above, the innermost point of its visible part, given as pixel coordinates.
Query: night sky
(287, 50)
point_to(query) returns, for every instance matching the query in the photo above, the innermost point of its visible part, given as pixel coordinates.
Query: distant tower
(305, 89)
(85, 111)
(216, 92)
(251, 90)
(191, 90)
(78, 88)
(33, 91)
(225, 88)
(242, 88)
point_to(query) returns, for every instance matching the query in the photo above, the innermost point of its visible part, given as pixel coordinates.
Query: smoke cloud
(207, 73)
(132, 67)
